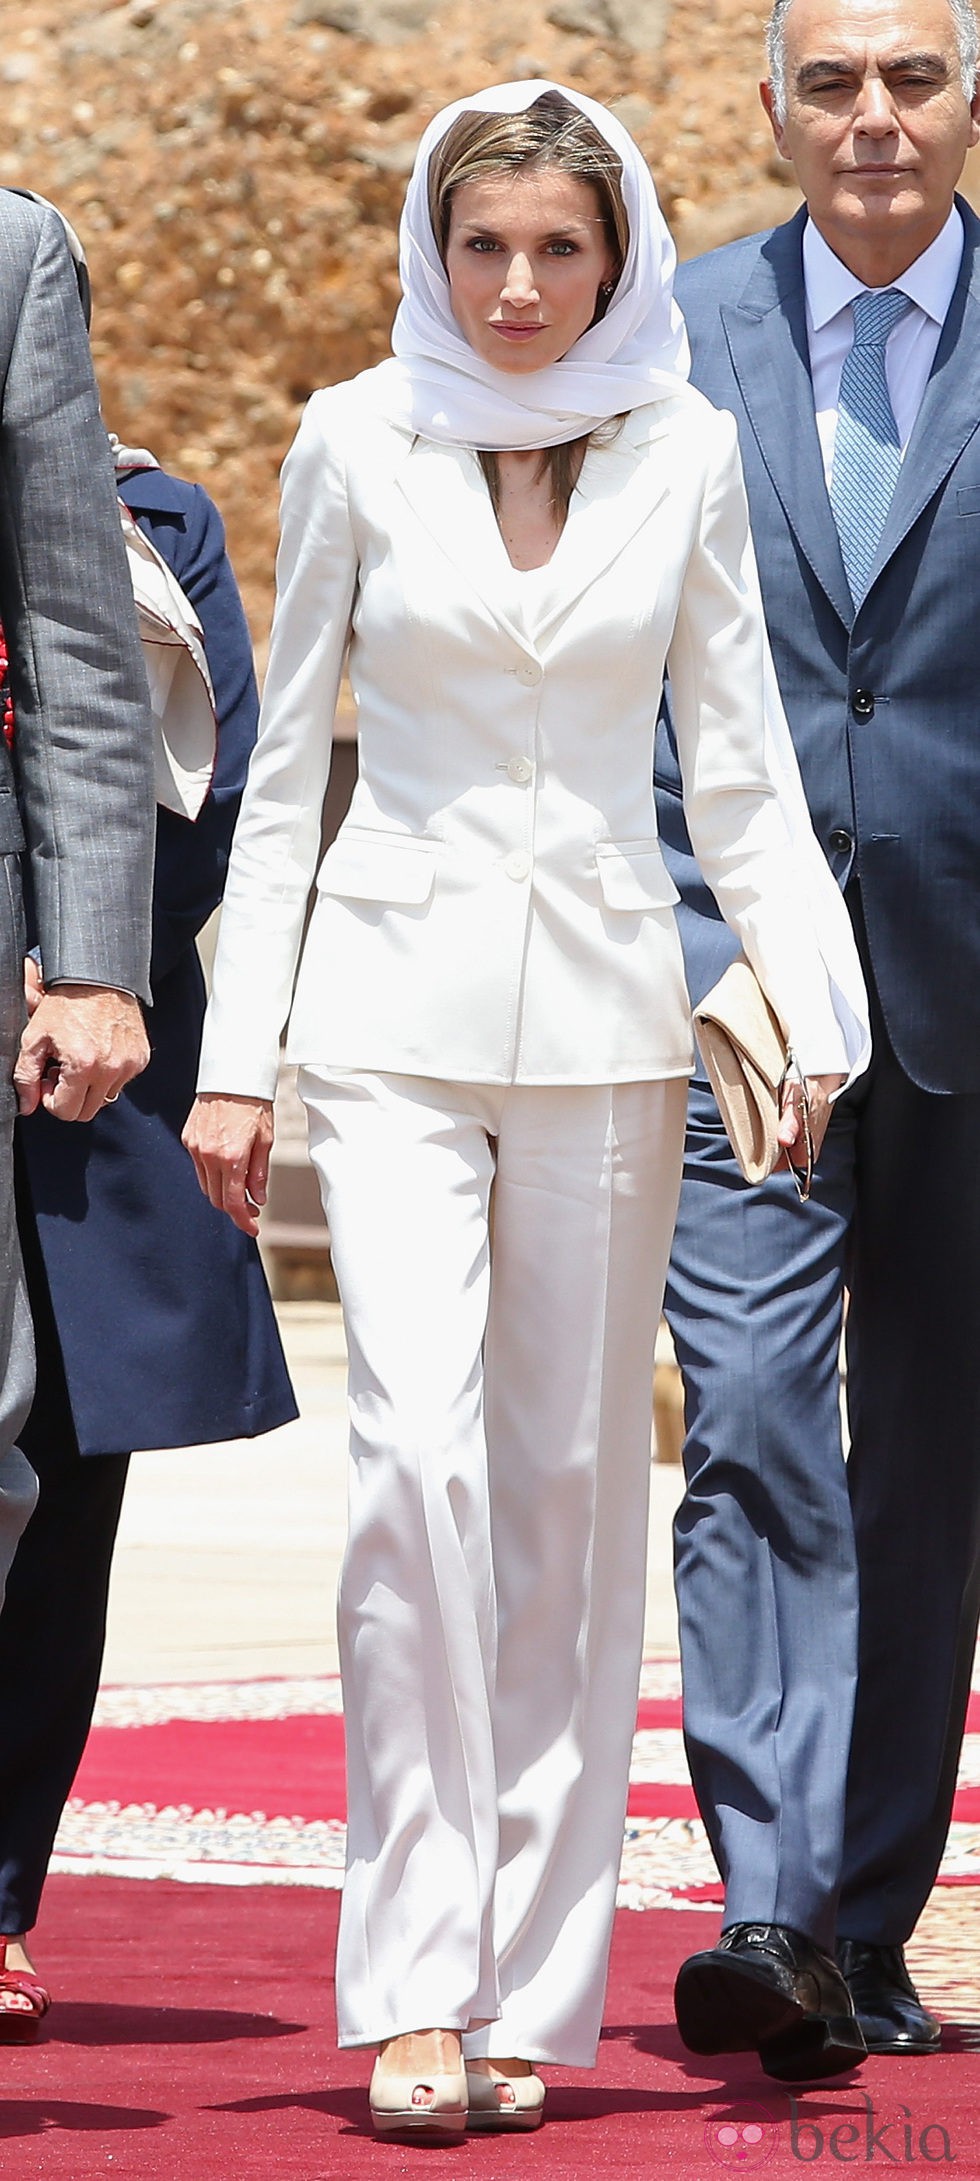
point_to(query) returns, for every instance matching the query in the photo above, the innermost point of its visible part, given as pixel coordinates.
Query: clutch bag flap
(744, 1053)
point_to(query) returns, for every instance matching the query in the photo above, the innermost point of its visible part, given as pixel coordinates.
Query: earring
(606, 288)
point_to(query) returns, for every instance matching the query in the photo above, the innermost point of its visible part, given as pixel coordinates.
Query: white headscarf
(636, 353)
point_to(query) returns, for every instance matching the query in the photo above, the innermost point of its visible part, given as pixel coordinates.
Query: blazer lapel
(767, 341)
(950, 410)
(447, 491)
(618, 488)
(614, 495)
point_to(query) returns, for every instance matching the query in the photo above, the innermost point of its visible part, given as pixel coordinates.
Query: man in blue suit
(811, 1597)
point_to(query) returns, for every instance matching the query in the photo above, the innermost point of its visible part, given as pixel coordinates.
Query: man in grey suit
(847, 344)
(76, 785)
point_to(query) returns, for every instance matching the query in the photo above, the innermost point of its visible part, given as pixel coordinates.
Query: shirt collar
(928, 282)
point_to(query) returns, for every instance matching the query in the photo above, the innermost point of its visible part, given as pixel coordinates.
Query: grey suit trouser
(18, 1484)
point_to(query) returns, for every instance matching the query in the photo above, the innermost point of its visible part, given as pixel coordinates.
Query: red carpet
(294, 1768)
(192, 2041)
(245, 1781)
(290, 1767)
(192, 2033)
(283, 1767)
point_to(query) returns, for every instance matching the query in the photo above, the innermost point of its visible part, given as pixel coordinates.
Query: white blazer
(495, 908)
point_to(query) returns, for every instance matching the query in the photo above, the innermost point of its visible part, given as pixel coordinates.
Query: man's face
(876, 125)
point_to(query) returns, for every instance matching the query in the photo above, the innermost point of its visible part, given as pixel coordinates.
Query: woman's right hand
(818, 1093)
(229, 1140)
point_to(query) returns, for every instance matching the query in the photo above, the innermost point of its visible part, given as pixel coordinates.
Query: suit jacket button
(841, 841)
(863, 704)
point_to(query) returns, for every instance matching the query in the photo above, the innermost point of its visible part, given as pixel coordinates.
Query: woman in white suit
(491, 992)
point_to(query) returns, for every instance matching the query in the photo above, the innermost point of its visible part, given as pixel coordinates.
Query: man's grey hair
(964, 23)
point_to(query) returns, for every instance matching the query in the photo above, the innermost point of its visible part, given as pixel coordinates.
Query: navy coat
(167, 1332)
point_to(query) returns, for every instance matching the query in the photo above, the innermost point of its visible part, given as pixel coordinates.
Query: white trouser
(491, 1602)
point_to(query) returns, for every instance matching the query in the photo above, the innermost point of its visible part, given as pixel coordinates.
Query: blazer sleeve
(192, 859)
(277, 841)
(743, 797)
(83, 747)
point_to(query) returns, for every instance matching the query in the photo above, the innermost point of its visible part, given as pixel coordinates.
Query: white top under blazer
(495, 908)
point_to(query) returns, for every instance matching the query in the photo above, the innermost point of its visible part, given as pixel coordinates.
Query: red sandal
(19, 2025)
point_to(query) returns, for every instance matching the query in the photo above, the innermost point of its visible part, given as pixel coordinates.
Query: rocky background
(236, 168)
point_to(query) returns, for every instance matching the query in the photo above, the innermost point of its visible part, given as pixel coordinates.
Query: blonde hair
(549, 133)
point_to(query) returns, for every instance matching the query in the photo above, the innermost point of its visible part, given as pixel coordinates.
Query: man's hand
(82, 1043)
(229, 1140)
(33, 988)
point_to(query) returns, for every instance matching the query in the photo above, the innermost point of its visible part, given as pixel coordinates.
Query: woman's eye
(482, 244)
(563, 249)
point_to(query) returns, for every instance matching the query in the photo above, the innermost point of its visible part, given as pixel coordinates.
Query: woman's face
(526, 256)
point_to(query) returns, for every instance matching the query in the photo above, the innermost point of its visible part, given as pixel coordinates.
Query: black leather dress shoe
(886, 2002)
(767, 1989)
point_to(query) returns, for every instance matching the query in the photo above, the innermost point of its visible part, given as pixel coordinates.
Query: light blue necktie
(867, 450)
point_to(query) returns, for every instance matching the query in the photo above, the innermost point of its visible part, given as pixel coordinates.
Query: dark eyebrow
(926, 64)
(929, 64)
(554, 234)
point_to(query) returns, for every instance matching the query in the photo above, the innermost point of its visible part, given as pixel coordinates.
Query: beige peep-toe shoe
(508, 2105)
(424, 2108)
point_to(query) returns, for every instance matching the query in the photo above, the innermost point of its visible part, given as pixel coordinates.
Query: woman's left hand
(819, 1091)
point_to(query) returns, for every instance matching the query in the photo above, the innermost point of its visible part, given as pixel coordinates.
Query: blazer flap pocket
(968, 499)
(633, 875)
(379, 867)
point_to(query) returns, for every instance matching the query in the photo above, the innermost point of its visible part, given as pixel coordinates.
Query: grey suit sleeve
(83, 741)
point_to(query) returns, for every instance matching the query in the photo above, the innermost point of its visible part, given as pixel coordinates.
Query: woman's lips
(516, 333)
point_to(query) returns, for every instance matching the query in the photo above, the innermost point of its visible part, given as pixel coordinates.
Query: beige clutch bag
(746, 1058)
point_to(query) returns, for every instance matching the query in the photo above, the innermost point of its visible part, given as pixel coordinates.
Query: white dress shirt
(909, 357)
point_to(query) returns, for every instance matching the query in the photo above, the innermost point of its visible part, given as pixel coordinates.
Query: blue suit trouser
(812, 1593)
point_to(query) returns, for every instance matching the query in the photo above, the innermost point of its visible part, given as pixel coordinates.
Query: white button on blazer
(461, 929)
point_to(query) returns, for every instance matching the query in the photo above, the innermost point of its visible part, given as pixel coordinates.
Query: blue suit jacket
(884, 705)
(166, 1329)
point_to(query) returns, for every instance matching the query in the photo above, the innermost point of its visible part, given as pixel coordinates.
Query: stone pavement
(227, 1560)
